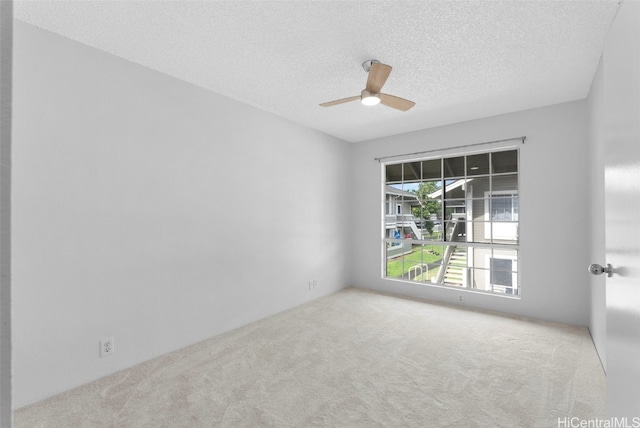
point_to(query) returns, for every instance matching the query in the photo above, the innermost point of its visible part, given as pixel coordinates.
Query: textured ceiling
(458, 60)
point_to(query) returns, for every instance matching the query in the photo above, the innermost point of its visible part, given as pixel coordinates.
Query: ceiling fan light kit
(369, 99)
(371, 95)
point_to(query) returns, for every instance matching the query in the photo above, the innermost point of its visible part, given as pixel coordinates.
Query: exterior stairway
(454, 275)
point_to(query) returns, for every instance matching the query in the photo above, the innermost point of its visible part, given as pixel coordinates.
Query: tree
(427, 206)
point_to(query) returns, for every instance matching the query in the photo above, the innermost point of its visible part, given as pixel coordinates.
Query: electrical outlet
(313, 283)
(460, 298)
(107, 347)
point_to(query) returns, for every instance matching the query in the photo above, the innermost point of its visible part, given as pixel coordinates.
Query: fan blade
(396, 102)
(340, 101)
(378, 75)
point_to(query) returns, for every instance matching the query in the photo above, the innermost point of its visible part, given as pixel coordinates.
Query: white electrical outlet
(107, 347)
(313, 283)
(460, 298)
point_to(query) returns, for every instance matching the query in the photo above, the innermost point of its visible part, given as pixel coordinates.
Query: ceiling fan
(371, 95)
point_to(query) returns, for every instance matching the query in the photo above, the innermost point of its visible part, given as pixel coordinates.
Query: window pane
(504, 161)
(411, 172)
(455, 225)
(456, 189)
(478, 231)
(392, 233)
(393, 199)
(438, 231)
(394, 173)
(454, 167)
(501, 272)
(482, 278)
(395, 189)
(430, 219)
(395, 259)
(504, 209)
(455, 270)
(504, 183)
(429, 190)
(432, 169)
(503, 232)
(502, 275)
(507, 254)
(424, 262)
(455, 230)
(412, 262)
(478, 164)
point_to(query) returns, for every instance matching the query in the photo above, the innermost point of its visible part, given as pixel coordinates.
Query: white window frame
(509, 241)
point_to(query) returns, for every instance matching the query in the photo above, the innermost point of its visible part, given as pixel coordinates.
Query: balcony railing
(399, 219)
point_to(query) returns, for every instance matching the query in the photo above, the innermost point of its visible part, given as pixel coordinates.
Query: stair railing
(449, 251)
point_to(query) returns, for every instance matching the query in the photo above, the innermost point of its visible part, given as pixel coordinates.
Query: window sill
(452, 287)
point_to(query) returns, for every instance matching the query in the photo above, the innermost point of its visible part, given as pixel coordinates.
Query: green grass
(399, 266)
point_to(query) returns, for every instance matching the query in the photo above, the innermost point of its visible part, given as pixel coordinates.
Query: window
(456, 222)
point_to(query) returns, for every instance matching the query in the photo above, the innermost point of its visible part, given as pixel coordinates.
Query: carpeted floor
(353, 359)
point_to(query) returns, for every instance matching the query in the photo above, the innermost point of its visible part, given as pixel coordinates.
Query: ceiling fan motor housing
(367, 64)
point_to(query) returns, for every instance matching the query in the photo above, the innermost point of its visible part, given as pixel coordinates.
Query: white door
(621, 63)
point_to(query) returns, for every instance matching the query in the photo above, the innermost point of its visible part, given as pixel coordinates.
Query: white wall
(553, 210)
(6, 63)
(155, 212)
(597, 313)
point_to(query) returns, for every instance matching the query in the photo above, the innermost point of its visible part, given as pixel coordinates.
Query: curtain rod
(523, 138)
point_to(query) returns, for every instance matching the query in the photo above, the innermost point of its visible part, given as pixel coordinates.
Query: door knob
(596, 269)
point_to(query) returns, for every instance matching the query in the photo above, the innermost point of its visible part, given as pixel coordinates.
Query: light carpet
(352, 359)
